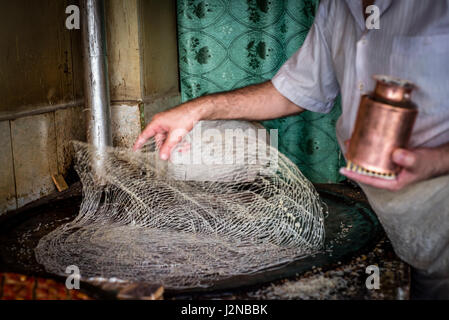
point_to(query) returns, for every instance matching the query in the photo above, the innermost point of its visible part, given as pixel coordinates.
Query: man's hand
(417, 165)
(169, 127)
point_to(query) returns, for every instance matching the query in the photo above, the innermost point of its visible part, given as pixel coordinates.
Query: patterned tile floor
(15, 286)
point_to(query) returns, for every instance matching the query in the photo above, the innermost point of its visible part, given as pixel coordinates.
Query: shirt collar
(355, 6)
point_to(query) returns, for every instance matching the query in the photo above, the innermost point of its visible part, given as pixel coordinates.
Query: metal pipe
(32, 110)
(96, 87)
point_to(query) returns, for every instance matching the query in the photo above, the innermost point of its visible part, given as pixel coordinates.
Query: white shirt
(340, 55)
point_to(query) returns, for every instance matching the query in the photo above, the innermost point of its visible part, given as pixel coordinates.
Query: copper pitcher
(384, 123)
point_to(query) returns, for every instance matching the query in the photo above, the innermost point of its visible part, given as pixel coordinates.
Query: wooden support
(60, 183)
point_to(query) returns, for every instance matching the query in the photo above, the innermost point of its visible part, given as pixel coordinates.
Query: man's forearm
(256, 102)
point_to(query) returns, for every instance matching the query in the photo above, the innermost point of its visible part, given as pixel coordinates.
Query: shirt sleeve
(308, 78)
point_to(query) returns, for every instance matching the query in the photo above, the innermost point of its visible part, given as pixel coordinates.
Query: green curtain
(228, 44)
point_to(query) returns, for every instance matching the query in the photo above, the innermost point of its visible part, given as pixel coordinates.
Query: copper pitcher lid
(393, 89)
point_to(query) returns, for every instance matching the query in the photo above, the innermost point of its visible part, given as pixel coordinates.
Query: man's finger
(173, 138)
(146, 134)
(404, 158)
(159, 138)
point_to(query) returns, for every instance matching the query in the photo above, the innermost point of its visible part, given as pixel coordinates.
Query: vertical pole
(96, 88)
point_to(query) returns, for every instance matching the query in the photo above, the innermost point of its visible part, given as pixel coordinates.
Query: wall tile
(7, 185)
(125, 124)
(70, 125)
(35, 157)
(155, 105)
(123, 49)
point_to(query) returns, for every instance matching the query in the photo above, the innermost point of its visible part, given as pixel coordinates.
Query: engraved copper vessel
(384, 123)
